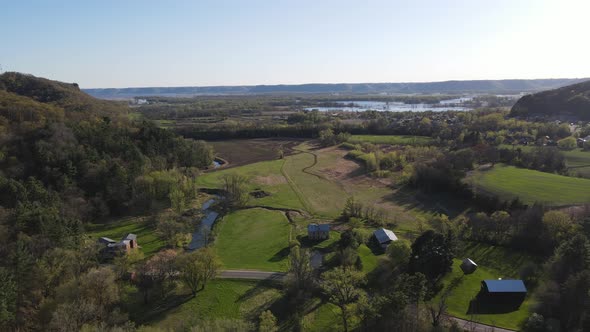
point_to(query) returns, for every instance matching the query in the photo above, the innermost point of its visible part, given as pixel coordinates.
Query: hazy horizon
(130, 44)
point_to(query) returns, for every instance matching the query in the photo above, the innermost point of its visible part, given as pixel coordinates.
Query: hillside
(474, 86)
(570, 101)
(40, 94)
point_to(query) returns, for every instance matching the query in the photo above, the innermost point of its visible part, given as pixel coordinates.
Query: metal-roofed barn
(513, 289)
(384, 237)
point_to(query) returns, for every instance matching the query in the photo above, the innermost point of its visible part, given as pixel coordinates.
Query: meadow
(256, 239)
(509, 182)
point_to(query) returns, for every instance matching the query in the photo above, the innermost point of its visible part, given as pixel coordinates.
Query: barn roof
(384, 235)
(505, 286)
(130, 236)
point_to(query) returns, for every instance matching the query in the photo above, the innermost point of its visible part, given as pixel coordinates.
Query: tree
(300, 270)
(236, 191)
(99, 286)
(268, 322)
(197, 268)
(432, 255)
(7, 297)
(568, 143)
(559, 226)
(341, 286)
(123, 263)
(177, 200)
(399, 253)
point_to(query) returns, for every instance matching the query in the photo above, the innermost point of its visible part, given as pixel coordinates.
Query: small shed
(468, 266)
(384, 237)
(132, 238)
(318, 232)
(506, 289)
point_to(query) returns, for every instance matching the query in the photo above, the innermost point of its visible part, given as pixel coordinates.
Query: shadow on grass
(154, 311)
(494, 304)
(280, 255)
(433, 203)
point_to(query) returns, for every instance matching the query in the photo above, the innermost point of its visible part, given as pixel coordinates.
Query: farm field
(147, 239)
(493, 263)
(229, 299)
(248, 151)
(531, 186)
(256, 239)
(265, 176)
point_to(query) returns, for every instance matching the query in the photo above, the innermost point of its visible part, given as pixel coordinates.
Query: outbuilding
(506, 289)
(318, 232)
(468, 266)
(384, 237)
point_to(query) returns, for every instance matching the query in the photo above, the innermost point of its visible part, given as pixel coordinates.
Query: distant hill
(571, 101)
(476, 86)
(37, 92)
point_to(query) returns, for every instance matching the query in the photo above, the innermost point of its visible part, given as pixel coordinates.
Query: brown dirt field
(247, 151)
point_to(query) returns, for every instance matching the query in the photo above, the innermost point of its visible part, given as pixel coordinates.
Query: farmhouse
(384, 237)
(468, 266)
(112, 247)
(318, 232)
(506, 289)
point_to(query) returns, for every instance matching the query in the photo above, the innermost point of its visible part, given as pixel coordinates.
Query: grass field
(577, 160)
(264, 175)
(147, 239)
(369, 259)
(531, 186)
(255, 239)
(392, 139)
(493, 263)
(220, 299)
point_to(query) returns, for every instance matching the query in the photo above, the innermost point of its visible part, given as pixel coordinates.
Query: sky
(133, 43)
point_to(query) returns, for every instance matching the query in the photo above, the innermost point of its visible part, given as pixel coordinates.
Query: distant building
(468, 266)
(318, 232)
(384, 237)
(112, 247)
(506, 289)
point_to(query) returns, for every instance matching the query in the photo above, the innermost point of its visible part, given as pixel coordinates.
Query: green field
(147, 239)
(493, 263)
(220, 299)
(370, 260)
(392, 139)
(531, 186)
(265, 176)
(577, 160)
(255, 239)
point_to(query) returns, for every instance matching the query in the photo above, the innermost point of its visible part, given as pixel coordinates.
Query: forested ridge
(67, 159)
(572, 100)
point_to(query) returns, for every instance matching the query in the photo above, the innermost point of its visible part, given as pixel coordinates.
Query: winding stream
(202, 232)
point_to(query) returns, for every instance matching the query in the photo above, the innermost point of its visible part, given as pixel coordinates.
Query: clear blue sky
(126, 43)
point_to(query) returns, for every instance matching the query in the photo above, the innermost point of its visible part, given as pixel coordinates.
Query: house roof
(505, 286)
(316, 228)
(130, 236)
(384, 235)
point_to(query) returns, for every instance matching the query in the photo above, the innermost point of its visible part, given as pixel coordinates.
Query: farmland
(147, 238)
(531, 186)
